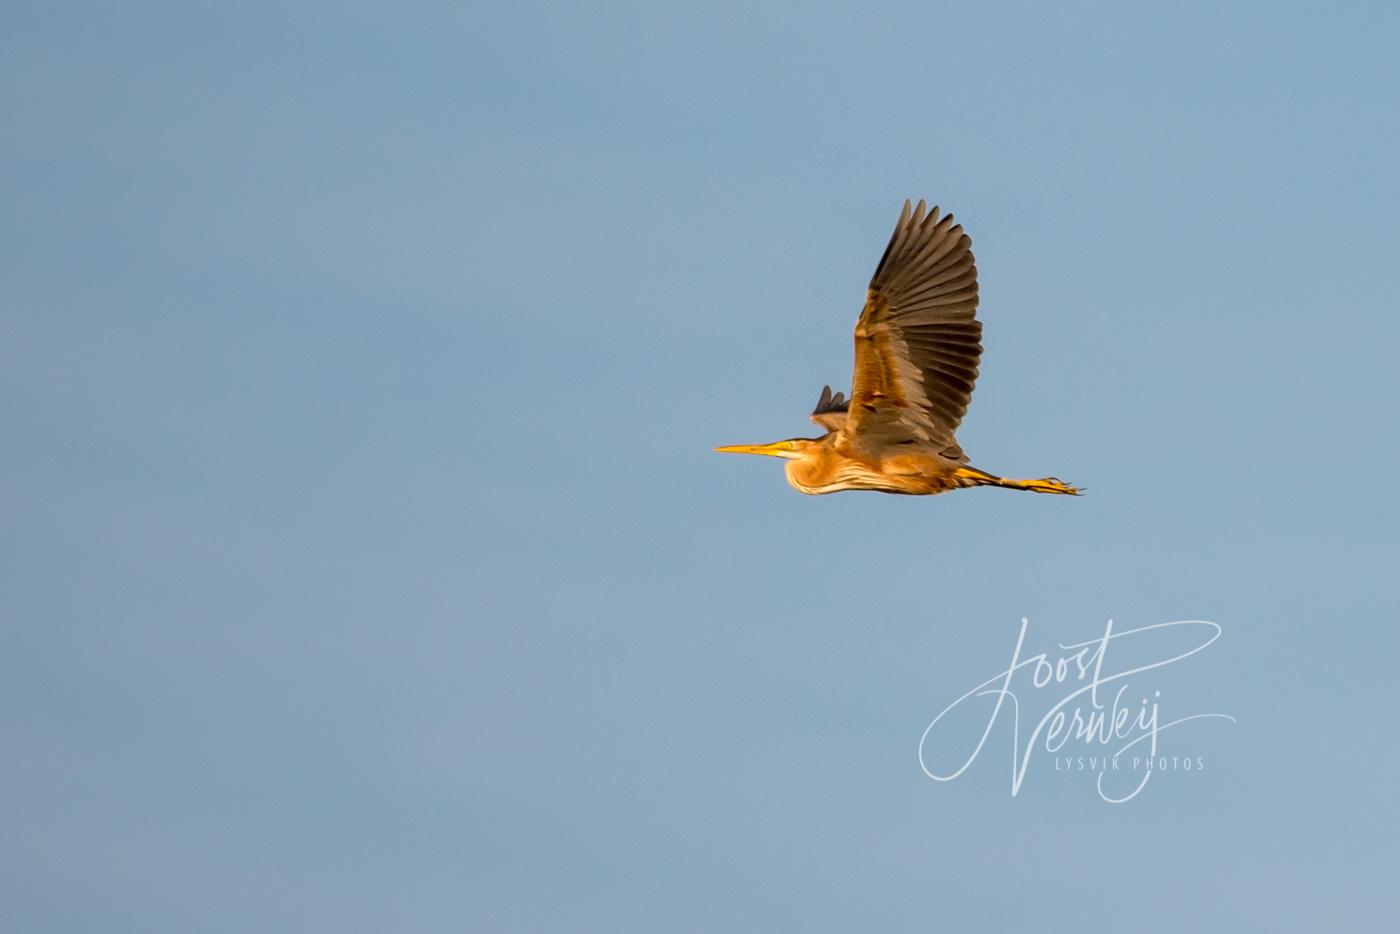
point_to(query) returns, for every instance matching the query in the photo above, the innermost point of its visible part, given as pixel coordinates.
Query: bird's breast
(913, 473)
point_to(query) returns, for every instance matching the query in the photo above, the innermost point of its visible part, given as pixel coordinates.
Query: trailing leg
(971, 476)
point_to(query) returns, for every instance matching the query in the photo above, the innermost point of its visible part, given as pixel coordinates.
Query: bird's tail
(971, 476)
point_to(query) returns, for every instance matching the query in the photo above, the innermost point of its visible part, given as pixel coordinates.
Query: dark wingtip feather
(830, 403)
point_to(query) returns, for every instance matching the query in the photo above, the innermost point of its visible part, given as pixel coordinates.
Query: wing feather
(918, 340)
(830, 412)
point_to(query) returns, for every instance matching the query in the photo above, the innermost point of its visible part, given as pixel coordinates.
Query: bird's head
(791, 449)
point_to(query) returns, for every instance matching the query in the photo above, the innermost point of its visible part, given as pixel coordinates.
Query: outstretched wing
(830, 412)
(918, 340)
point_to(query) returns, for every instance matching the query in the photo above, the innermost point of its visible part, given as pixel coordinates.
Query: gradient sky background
(368, 567)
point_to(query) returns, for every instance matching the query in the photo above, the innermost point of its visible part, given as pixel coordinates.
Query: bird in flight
(918, 343)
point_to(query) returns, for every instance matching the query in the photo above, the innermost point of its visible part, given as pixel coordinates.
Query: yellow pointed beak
(776, 449)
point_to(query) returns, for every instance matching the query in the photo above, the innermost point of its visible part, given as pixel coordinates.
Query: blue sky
(369, 566)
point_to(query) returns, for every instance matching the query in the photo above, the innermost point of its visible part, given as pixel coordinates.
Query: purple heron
(918, 343)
